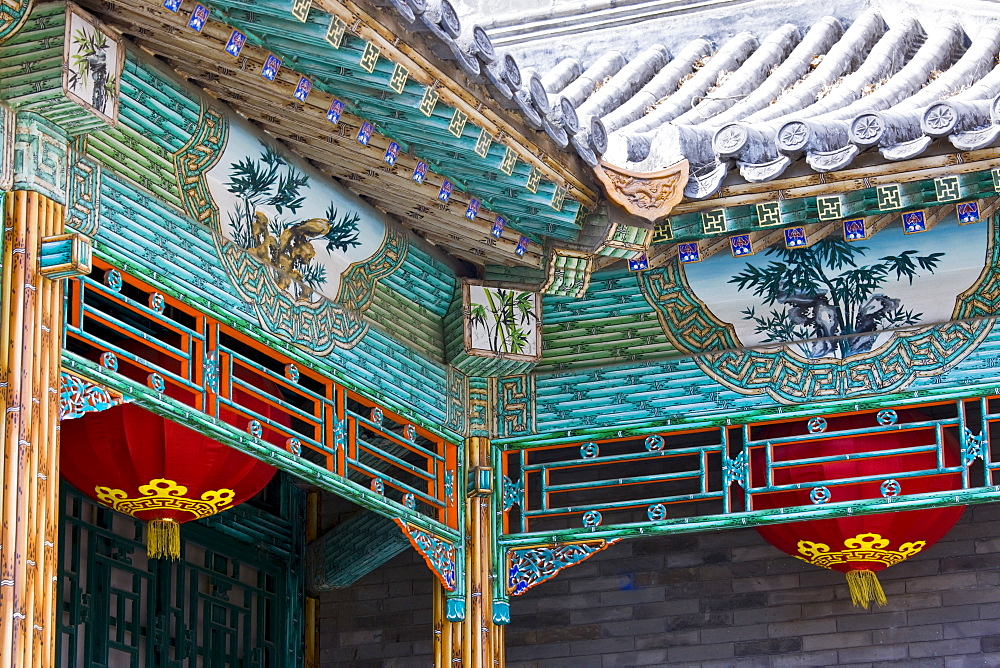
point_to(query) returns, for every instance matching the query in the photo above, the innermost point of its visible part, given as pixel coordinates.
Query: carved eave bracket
(533, 565)
(625, 237)
(79, 396)
(647, 195)
(439, 553)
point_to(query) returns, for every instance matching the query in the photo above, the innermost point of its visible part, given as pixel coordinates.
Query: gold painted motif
(398, 80)
(829, 208)
(457, 125)
(428, 101)
(300, 9)
(558, 198)
(483, 143)
(662, 232)
(889, 197)
(508, 162)
(534, 177)
(370, 57)
(863, 547)
(947, 188)
(768, 214)
(714, 221)
(335, 33)
(163, 494)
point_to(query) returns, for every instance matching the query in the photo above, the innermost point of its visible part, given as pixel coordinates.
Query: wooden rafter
(303, 127)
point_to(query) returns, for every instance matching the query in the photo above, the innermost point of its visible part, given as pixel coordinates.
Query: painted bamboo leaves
(89, 66)
(504, 320)
(286, 242)
(827, 296)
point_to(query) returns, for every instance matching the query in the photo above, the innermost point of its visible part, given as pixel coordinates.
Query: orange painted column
(475, 642)
(30, 347)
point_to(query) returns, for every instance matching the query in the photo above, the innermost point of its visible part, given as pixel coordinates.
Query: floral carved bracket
(79, 396)
(437, 552)
(530, 566)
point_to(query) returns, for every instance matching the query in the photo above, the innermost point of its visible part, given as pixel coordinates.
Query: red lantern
(156, 470)
(858, 546)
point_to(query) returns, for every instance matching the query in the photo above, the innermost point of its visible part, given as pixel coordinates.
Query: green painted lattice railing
(714, 477)
(563, 502)
(199, 372)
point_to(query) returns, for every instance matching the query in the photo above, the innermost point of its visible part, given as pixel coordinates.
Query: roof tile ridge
(521, 28)
(989, 85)
(730, 55)
(906, 129)
(817, 42)
(845, 56)
(663, 83)
(740, 82)
(978, 62)
(561, 75)
(626, 82)
(883, 61)
(607, 66)
(937, 51)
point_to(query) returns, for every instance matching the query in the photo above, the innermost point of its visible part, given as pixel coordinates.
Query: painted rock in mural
(304, 252)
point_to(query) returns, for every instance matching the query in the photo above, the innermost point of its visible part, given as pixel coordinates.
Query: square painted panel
(235, 43)
(334, 112)
(444, 194)
(689, 252)
(199, 17)
(795, 237)
(968, 212)
(855, 230)
(419, 171)
(270, 68)
(914, 221)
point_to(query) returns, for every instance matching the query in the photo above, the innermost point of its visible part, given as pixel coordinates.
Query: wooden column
(475, 642)
(311, 658)
(30, 339)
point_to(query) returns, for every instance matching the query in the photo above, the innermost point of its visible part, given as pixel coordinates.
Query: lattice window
(226, 603)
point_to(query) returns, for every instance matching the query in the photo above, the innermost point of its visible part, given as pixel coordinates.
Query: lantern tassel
(163, 539)
(865, 588)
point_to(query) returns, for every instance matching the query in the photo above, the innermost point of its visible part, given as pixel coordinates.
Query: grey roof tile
(823, 93)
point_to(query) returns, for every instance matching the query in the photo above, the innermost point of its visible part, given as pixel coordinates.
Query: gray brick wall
(704, 600)
(382, 620)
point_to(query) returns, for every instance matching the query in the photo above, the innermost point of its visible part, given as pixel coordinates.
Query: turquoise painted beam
(352, 549)
(709, 415)
(756, 518)
(856, 204)
(315, 58)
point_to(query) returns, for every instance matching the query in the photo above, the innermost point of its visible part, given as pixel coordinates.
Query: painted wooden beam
(351, 550)
(367, 94)
(460, 97)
